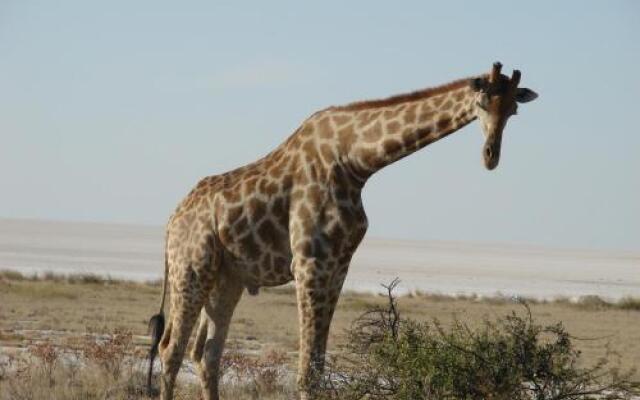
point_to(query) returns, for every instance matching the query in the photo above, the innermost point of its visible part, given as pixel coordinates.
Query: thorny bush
(110, 352)
(511, 358)
(267, 373)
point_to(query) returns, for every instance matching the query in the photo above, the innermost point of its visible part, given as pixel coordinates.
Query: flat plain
(61, 282)
(61, 308)
(134, 252)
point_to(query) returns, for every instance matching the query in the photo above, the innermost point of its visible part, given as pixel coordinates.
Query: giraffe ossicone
(297, 215)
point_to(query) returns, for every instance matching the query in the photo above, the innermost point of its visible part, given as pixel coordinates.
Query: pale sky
(111, 111)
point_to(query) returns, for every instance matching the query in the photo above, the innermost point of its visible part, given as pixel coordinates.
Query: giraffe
(297, 215)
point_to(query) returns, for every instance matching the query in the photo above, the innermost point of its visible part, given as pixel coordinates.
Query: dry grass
(75, 305)
(110, 366)
(90, 367)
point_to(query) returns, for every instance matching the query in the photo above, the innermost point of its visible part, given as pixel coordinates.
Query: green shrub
(511, 358)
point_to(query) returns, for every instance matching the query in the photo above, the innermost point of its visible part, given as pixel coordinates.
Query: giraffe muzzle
(491, 154)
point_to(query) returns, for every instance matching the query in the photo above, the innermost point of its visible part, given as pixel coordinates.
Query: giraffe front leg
(317, 290)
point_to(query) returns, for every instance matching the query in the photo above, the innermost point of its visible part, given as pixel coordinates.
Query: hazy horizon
(136, 252)
(369, 236)
(112, 112)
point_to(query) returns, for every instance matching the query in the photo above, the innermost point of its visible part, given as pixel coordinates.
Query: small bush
(89, 368)
(629, 303)
(593, 303)
(11, 275)
(48, 356)
(86, 278)
(72, 278)
(111, 352)
(264, 376)
(512, 358)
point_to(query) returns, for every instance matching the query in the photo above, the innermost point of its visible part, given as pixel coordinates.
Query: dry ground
(269, 320)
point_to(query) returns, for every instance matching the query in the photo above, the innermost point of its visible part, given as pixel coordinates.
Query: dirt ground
(30, 309)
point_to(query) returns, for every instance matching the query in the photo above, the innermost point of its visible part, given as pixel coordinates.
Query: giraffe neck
(386, 131)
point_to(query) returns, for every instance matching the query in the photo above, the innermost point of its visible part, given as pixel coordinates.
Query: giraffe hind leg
(201, 337)
(188, 296)
(253, 290)
(214, 327)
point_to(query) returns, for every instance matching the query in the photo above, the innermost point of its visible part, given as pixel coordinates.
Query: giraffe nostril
(487, 152)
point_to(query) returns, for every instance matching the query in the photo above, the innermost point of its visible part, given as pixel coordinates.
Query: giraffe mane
(405, 97)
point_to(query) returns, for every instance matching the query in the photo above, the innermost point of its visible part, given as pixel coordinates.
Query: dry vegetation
(66, 317)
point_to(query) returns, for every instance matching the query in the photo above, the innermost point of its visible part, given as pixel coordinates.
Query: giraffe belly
(274, 271)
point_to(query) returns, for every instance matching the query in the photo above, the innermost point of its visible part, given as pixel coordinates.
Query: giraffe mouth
(491, 155)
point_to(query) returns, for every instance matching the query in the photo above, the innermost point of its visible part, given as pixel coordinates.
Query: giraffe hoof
(253, 290)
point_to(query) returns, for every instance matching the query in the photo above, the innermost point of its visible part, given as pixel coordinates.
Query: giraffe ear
(525, 95)
(479, 84)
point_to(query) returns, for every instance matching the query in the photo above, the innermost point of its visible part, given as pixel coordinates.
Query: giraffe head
(496, 100)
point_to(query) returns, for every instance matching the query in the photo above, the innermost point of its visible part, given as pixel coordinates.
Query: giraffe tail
(156, 327)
